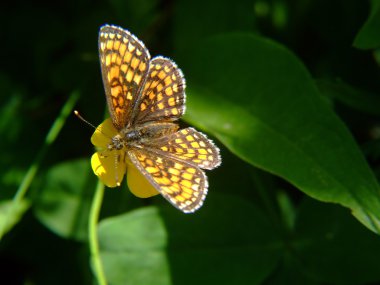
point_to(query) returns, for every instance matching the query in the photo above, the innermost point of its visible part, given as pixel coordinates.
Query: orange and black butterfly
(146, 96)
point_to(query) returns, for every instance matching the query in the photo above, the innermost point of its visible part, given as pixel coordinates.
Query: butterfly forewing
(124, 64)
(163, 96)
(181, 183)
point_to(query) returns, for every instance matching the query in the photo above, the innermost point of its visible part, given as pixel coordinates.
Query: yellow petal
(103, 165)
(103, 134)
(138, 184)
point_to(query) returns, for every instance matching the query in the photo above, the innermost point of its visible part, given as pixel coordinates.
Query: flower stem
(96, 262)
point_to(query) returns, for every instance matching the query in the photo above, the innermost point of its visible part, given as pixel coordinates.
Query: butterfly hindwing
(181, 183)
(189, 145)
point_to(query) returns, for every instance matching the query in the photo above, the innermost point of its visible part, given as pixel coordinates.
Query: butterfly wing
(163, 96)
(181, 183)
(188, 145)
(124, 63)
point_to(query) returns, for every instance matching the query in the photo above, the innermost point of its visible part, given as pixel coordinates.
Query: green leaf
(148, 246)
(132, 248)
(10, 213)
(65, 198)
(258, 99)
(368, 36)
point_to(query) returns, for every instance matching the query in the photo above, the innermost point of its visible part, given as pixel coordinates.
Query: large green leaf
(213, 246)
(257, 98)
(369, 36)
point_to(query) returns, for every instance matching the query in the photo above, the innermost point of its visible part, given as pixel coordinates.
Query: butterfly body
(138, 136)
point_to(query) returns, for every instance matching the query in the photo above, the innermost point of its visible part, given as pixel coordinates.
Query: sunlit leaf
(260, 101)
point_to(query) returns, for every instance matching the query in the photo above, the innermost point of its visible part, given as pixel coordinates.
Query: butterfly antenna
(83, 119)
(88, 123)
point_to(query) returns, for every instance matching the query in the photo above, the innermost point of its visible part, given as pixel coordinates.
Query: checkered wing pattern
(180, 182)
(163, 96)
(124, 64)
(191, 146)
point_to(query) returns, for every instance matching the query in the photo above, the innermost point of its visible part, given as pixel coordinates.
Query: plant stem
(97, 265)
(49, 139)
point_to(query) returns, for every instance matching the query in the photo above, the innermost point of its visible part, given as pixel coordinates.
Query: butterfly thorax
(137, 136)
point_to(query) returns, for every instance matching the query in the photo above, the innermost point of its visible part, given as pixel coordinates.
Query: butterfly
(145, 97)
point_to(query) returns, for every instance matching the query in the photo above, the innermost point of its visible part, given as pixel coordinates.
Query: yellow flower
(110, 171)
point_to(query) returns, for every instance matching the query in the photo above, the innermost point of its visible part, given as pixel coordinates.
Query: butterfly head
(117, 143)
